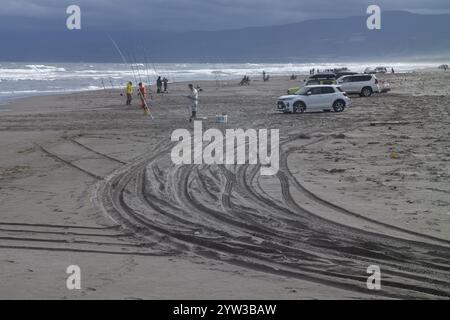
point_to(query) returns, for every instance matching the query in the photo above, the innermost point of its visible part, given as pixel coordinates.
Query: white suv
(362, 84)
(314, 98)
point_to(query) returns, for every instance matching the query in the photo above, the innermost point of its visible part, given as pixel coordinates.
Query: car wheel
(339, 106)
(299, 107)
(366, 92)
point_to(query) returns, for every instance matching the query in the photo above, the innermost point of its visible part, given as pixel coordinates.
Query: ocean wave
(34, 79)
(44, 67)
(26, 93)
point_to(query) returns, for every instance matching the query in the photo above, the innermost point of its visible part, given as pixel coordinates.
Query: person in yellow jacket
(129, 93)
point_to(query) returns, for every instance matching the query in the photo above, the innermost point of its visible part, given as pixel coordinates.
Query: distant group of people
(245, 81)
(265, 76)
(160, 83)
(143, 96)
(313, 71)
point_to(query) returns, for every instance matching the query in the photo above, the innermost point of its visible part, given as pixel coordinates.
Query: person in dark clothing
(245, 81)
(159, 85)
(165, 82)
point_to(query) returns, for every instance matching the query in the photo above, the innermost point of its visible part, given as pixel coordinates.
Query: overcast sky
(186, 15)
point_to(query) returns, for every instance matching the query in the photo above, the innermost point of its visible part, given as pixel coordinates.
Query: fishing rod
(147, 63)
(122, 56)
(146, 71)
(146, 68)
(132, 68)
(155, 72)
(136, 65)
(139, 73)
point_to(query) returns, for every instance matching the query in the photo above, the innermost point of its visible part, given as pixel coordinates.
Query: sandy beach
(88, 181)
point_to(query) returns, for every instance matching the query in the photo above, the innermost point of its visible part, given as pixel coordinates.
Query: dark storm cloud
(194, 14)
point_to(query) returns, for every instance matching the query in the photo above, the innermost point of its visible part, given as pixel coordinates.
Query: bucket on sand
(394, 155)
(222, 118)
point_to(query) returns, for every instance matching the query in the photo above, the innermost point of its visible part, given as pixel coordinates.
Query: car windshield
(302, 91)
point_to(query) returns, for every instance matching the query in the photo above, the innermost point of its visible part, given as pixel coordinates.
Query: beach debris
(222, 118)
(337, 170)
(381, 123)
(301, 136)
(339, 136)
(394, 155)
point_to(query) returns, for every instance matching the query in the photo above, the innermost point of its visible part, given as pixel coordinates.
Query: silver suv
(362, 84)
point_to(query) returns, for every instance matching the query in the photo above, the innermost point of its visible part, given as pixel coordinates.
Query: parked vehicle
(376, 70)
(314, 98)
(317, 76)
(362, 84)
(340, 69)
(317, 79)
(345, 73)
(384, 86)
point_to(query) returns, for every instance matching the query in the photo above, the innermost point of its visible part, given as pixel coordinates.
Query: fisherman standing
(193, 96)
(144, 96)
(129, 93)
(165, 82)
(159, 85)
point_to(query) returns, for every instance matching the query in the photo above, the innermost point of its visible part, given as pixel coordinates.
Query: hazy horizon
(194, 15)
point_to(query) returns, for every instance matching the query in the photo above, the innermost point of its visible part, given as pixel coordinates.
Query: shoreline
(213, 77)
(26, 99)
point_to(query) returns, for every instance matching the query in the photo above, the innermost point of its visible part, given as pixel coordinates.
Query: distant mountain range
(403, 35)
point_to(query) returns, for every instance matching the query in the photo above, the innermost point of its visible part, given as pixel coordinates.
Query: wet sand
(85, 180)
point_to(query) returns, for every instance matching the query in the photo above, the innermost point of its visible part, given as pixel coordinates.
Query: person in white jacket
(193, 96)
